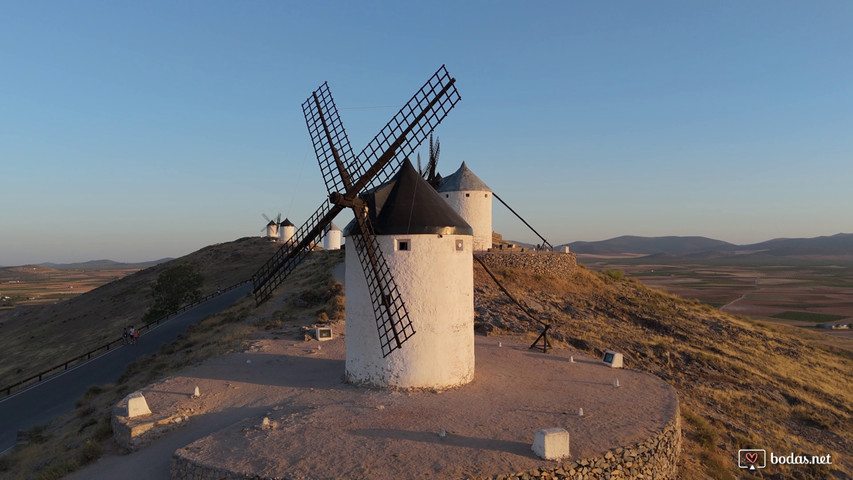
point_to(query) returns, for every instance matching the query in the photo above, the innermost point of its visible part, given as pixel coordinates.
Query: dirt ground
(320, 427)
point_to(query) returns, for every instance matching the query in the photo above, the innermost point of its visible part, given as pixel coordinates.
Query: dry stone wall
(653, 459)
(551, 264)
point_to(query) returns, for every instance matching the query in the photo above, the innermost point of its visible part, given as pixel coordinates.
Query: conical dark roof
(286, 223)
(407, 204)
(463, 180)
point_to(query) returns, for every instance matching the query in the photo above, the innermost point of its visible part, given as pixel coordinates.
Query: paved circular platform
(320, 427)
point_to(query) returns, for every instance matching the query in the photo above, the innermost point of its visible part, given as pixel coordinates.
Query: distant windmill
(286, 229)
(346, 176)
(429, 173)
(272, 227)
(332, 238)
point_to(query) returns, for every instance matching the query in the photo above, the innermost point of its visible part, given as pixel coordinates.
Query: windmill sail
(346, 176)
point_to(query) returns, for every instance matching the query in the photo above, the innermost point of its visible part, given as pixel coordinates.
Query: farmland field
(33, 285)
(796, 291)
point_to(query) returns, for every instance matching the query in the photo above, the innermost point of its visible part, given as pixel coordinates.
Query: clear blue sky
(139, 130)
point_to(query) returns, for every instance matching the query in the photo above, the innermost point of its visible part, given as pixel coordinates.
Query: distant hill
(838, 244)
(701, 247)
(103, 264)
(650, 245)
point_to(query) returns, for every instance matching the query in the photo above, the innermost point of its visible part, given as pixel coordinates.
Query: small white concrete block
(137, 406)
(323, 333)
(196, 393)
(613, 359)
(551, 443)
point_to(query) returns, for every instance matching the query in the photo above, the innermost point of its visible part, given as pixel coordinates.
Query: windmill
(345, 176)
(285, 230)
(271, 228)
(429, 174)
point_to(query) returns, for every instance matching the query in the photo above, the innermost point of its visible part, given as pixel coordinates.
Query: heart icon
(751, 457)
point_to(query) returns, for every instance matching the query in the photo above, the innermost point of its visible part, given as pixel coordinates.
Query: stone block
(323, 333)
(137, 406)
(551, 443)
(613, 359)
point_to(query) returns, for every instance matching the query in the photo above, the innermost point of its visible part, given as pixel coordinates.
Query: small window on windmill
(446, 195)
(460, 245)
(403, 245)
(467, 194)
(486, 196)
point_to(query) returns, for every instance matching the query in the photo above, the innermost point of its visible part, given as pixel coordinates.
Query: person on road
(124, 336)
(135, 336)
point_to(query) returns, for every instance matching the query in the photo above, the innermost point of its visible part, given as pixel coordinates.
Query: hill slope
(741, 384)
(34, 338)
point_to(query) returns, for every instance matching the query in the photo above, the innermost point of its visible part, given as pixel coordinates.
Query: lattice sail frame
(347, 175)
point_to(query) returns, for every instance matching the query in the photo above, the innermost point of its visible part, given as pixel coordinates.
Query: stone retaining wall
(551, 264)
(654, 459)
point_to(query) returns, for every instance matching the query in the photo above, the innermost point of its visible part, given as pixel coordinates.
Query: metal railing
(80, 359)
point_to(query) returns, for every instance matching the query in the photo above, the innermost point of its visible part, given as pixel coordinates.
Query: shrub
(56, 471)
(176, 286)
(704, 431)
(90, 452)
(618, 275)
(104, 430)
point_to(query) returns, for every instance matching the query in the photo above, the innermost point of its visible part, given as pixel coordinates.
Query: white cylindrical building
(428, 250)
(332, 238)
(272, 231)
(286, 230)
(471, 198)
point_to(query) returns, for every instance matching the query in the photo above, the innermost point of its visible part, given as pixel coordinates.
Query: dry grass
(741, 384)
(35, 338)
(82, 436)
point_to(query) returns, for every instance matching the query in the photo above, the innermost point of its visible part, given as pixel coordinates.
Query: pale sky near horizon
(140, 130)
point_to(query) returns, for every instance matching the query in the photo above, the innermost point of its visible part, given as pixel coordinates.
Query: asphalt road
(47, 400)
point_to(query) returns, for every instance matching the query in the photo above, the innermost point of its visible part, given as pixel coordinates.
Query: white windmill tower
(272, 227)
(332, 238)
(286, 230)
(428, 251)
(471, 198)
(428, 243)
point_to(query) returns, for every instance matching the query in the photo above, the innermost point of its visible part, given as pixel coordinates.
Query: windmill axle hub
(342, 200)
